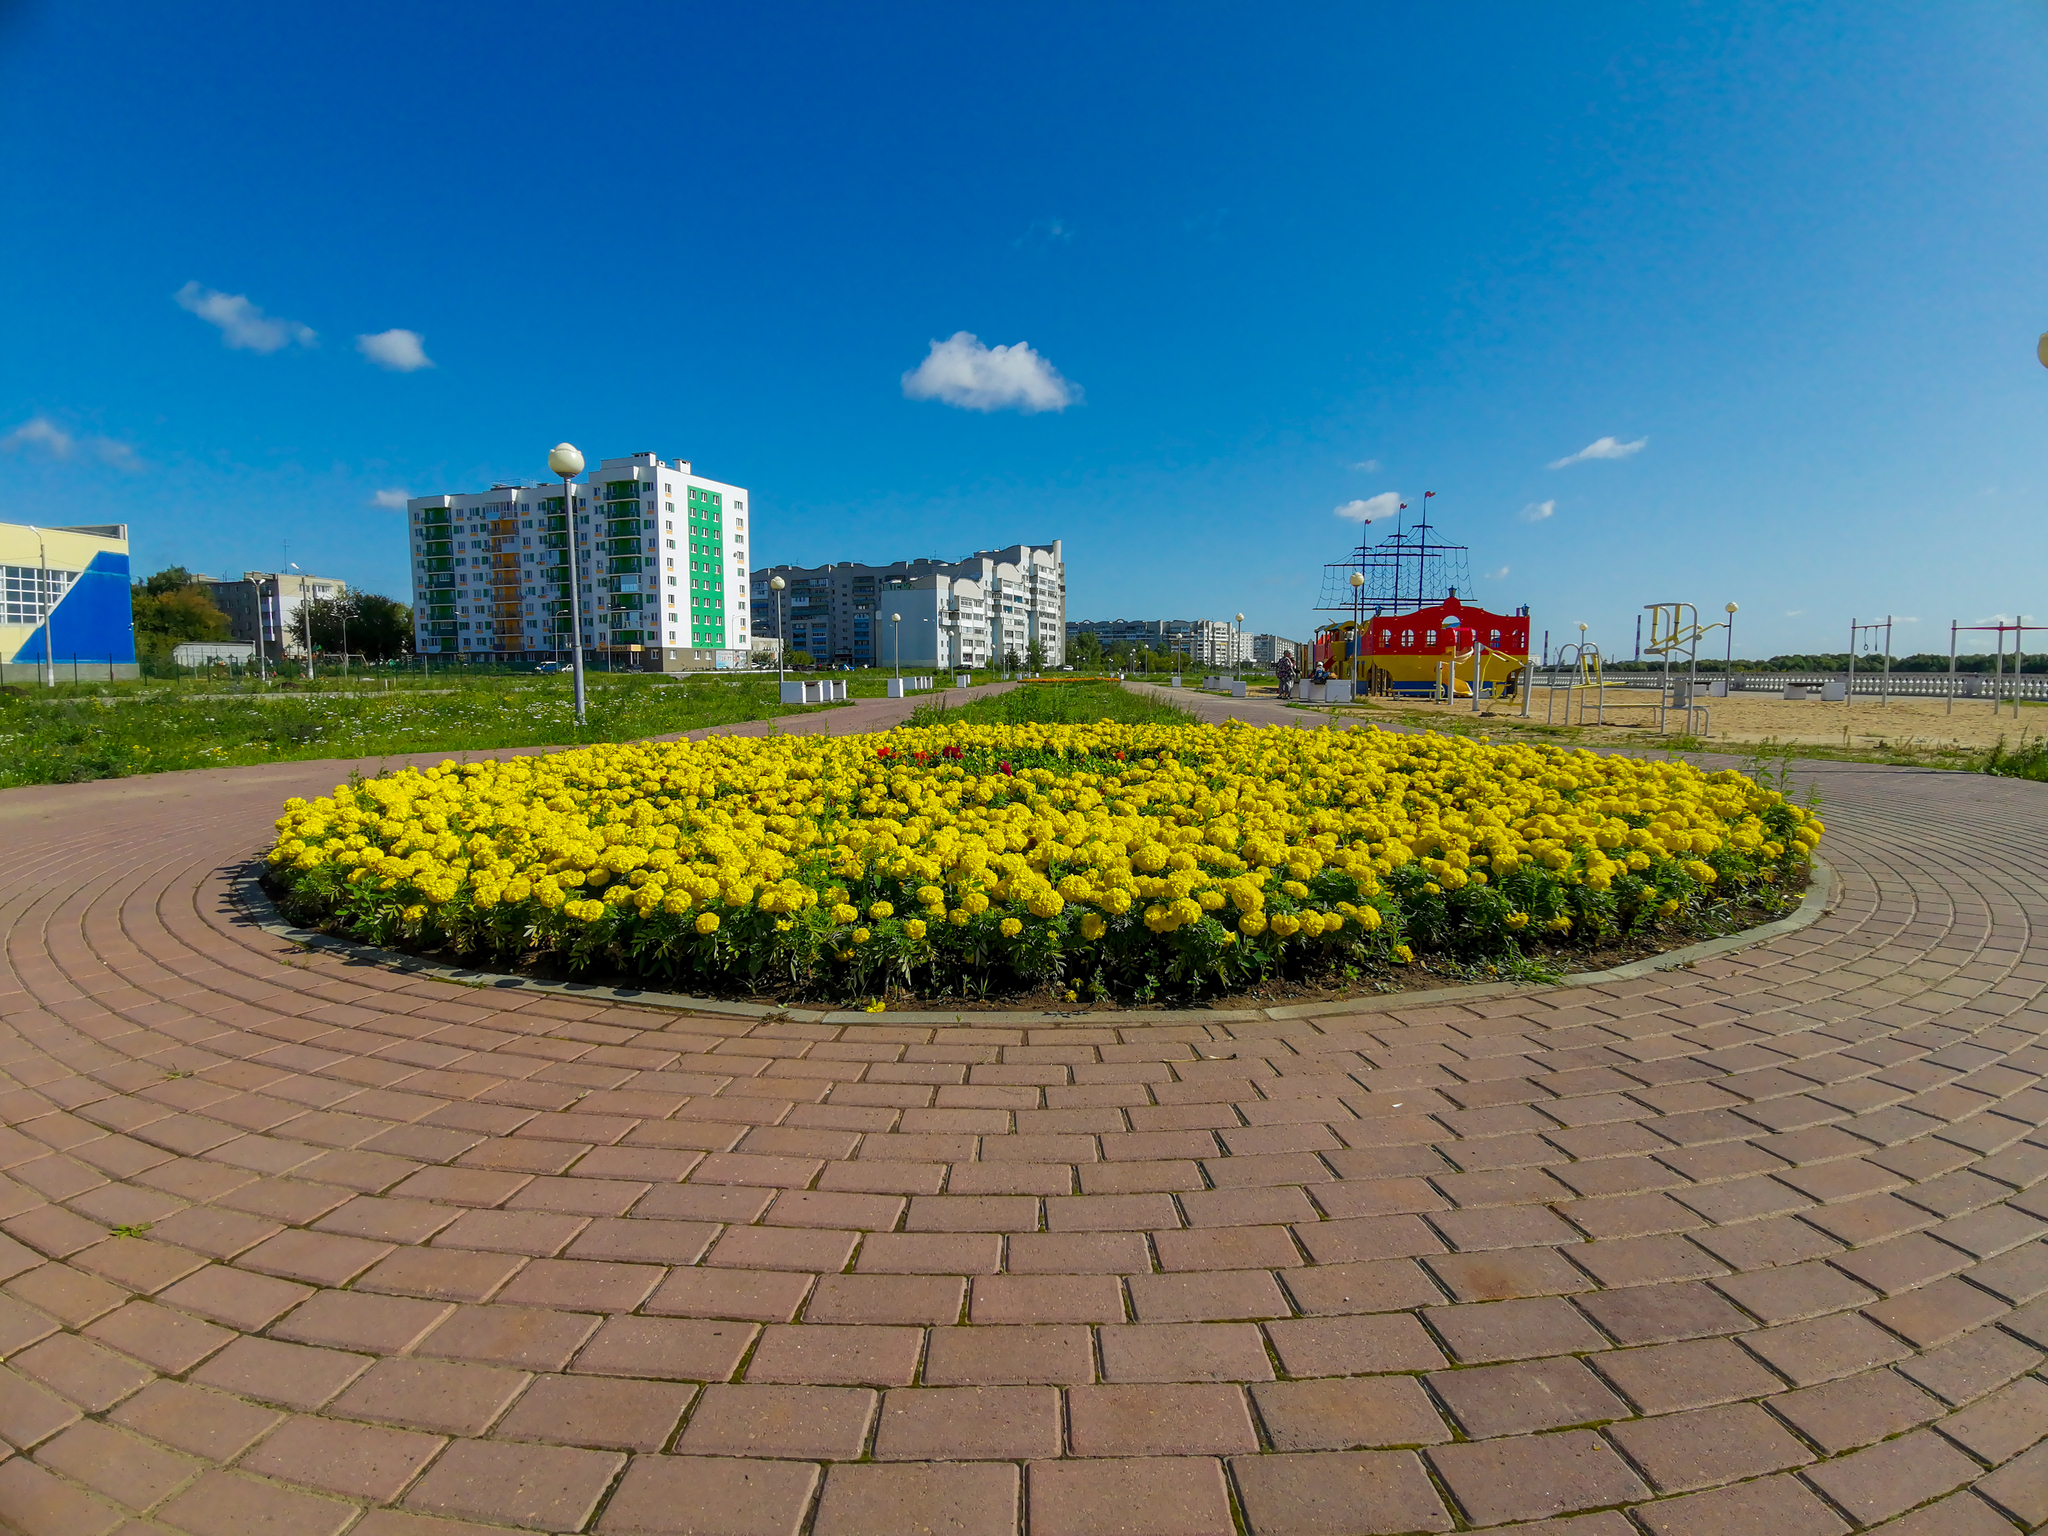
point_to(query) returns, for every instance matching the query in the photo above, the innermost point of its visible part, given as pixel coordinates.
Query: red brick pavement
(291, 1243)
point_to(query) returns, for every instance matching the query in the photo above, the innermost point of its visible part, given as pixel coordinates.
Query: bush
(1124, 860)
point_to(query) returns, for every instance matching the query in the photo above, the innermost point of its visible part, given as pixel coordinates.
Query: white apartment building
(1205, 642)
(660, 568)
(1267, 649)
(979, 611)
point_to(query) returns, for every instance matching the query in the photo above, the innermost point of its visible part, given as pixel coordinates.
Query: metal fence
(2031, 686)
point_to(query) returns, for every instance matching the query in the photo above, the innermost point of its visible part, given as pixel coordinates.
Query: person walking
(1283, 673)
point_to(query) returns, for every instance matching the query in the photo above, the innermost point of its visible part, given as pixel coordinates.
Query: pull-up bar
(2018, 629)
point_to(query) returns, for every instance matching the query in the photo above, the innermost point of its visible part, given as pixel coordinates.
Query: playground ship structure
(1407, 631)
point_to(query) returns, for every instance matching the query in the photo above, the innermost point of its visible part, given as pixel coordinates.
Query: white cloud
(1601, 448)
(242, 324)
(1371, 509)
(1496, 575)
(392, 501)
(1793, 613)
(961, 371)
(1044, 234)
(1368, 466)
(41, 434)
(1537, 511)
(400, 351)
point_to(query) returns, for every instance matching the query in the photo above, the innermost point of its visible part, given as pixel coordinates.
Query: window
(1407, 639)
(1430, 638)
(1493, 637)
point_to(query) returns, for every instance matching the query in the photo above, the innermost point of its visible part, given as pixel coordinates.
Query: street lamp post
(45, 606)
(567, 461)
(896, 641)
(1728, 666)
(1357, 579)
(1237, 646)
(776, 585)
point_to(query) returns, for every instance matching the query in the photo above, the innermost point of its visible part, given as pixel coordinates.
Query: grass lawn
(1063, 703)
(97, 731)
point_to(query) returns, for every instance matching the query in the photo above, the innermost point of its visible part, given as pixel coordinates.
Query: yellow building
(65, 611)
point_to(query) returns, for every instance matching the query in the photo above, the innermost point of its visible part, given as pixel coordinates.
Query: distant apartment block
(994, 604)
(1267, 649)
(660, 571)
(263, 607)
(1206, 642)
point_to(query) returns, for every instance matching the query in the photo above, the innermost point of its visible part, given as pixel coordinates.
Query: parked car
(549, 666)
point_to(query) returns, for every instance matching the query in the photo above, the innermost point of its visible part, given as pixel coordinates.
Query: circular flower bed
(1110, 860)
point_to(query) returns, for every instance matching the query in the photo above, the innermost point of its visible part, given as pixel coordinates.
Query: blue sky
(1276, 260)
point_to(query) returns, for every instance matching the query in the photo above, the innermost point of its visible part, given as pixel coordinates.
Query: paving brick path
(298, 1246)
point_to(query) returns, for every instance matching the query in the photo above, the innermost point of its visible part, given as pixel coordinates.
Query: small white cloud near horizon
(243, 325)
(391, 501)
(39, 432)
(1601, 448)
(960, 371)
(1367, 466)
(400, 351)
(1793, 613)
(1496, 575)
(1537, 511)
(1371, 509)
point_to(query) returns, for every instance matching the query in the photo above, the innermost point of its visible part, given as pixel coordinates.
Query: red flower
(1005, 769)
(881, 751)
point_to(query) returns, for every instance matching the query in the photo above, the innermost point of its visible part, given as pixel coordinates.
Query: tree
(1034, 656)
(800, 658)
(1086, 650)
(169, 607)
(1010, 660)
(364, 624)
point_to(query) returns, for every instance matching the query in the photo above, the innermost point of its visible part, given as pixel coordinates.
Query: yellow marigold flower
(914, 927)
(1009, 927)
(707, 922)
(845, 913)
(861, 935)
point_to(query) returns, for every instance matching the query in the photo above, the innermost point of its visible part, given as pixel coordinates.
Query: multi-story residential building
(979, 611)
(1205, 642)
(660, 571)
(65, 613)
(1267, 649)
(263, 607)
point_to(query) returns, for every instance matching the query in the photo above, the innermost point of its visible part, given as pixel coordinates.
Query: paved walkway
(296, 1246)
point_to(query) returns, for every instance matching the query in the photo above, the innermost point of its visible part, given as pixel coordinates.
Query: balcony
(437, 547)
(441, 565)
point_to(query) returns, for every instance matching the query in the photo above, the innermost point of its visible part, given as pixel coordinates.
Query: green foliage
(169, 607)
(364, 624)
(1056, 704)
(68, 737)
(2026, 761)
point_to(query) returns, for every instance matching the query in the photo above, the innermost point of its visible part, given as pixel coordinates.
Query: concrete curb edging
(1822, 892)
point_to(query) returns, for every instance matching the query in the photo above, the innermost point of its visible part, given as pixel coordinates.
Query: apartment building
(660, 568)
(263, 607)
(1267, 649)
(979, 611)
(1205, 642)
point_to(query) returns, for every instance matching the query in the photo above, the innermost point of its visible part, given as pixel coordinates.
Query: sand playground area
(1753, 719)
